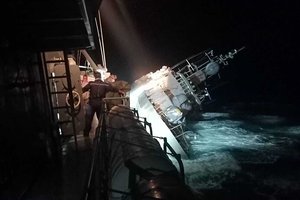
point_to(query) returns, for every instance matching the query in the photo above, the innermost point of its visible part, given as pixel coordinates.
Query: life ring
(76, 99)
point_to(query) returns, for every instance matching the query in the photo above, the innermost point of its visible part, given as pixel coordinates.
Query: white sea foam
(209, 170)
(222, 144)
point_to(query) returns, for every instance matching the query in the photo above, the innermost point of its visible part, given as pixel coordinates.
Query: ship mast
(97, 67)
(101, 40)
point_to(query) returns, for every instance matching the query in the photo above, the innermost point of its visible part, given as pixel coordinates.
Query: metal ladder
(54, 92)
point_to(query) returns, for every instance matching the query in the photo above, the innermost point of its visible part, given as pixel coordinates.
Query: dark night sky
(167, 31)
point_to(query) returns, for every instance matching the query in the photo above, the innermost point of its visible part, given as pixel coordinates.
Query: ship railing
(198, 62)
(190, 87)
(179, 134)
(147, 125)
(125, 100)
(176, 130)
(99, 167)
(199, 56)
(187, 69)
(168, 149)
(166, 145)
(201, 59)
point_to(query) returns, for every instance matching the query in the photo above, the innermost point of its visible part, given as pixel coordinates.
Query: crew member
(97, 91)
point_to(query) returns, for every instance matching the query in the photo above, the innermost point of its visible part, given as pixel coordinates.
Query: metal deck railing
(97, 185)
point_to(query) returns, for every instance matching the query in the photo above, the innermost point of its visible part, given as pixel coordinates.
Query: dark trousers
(89, 115)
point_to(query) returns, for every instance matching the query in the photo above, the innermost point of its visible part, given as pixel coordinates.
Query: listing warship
(167, 96)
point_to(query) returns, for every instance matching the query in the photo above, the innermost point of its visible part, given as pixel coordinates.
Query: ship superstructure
(166, 96)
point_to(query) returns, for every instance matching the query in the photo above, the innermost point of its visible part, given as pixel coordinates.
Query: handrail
(99, 164)
(186, 82)
(176, 156)
(167, 145)
(114, 98)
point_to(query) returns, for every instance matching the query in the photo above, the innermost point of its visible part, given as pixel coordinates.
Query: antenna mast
(101, 40)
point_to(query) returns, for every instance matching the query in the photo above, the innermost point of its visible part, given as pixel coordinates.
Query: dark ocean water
(238, 154)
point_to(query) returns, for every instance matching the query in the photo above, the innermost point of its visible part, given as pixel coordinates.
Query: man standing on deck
(98, 90)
